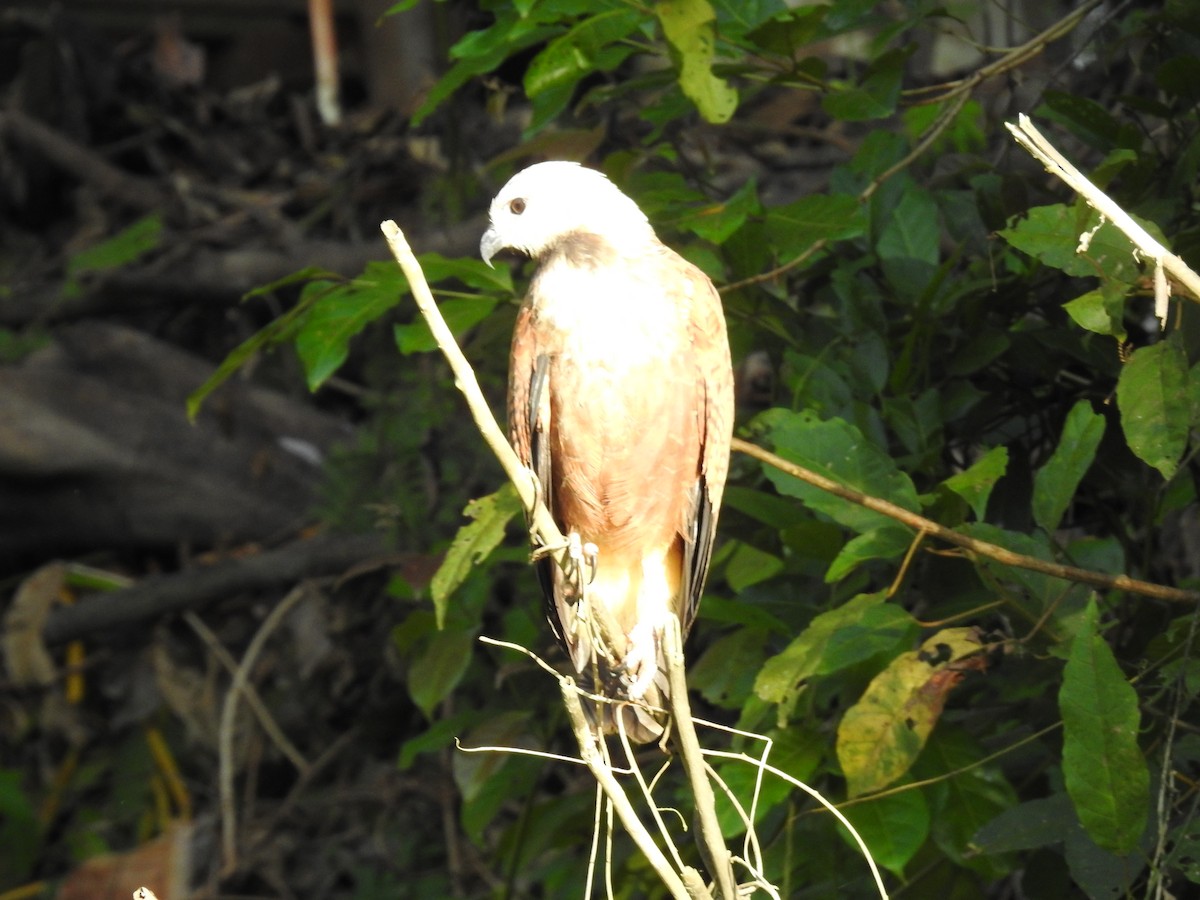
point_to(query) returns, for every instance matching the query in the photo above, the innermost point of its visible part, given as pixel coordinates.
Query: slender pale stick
(712, 845)
(1056, 164)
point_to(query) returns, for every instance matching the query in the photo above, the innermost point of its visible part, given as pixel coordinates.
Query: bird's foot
(641, 660)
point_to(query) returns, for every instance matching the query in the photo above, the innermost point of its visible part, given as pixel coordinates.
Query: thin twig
(590, 753)
(253, 700)
(816, 795)
(982, 548)
(1010, 60)
(228, 716)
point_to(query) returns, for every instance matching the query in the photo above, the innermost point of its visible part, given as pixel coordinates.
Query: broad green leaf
(439, 667)
(1099, 872)
(839, 451)
(913, 229)
(795, 227)
(857, 630)
(1153, 402)
(460, 314)
(1052, 234)
(894, 828)
(1055, 483)
(724, 673)
(884, 542)
(341, 312)
(741, 16)
(124, 247)
(587, 47)
(880, 736)
(875, 96)
(1088, 117)
(975, 484)
(473, 273)
(738, 612)
(716, 222)
(1100, 311)
(749, 565)
(965, 802)
(771, 509)
(690, 28)
(1033, 824)
(480, 52)
(473, 544)
(1103, 767)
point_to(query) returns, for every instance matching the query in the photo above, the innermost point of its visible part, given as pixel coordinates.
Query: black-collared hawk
(620, 399)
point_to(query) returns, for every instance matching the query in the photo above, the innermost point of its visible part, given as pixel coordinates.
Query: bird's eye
(516, 207)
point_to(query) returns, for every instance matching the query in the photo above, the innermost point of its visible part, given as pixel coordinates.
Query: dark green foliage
(940, 343)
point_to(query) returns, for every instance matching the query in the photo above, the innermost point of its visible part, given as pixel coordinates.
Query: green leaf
(884, 542)
(1055, 483)
(880, 736)
(1052, 234)
(875, 96)
(913, 229)
(795, 227)
(281, 330)
(340, 313)
(1036, 823)
(124, 247)
(473, 544)
(20, 832)
(439, 667)
(437, 736)
(1103, 767)
(962, 804)
(1099, 872)
(795, 751)
(1152, 398)
(749, 566)
(975, 484)
(587, 47)
(1101, 311)
(474, 772)
(724, 673)
(482, 51)
(839, 451)
(716, 222)
(473, 273)
(894, 828)
(856, 631)
(460, 315)
(690, 28)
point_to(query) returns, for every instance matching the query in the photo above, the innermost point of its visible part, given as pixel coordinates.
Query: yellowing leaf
(690, 27)
(881, 735)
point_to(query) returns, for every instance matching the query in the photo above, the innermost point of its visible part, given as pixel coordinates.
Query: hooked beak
(490, 245)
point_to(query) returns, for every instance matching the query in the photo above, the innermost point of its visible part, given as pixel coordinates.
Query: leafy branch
(973, 545)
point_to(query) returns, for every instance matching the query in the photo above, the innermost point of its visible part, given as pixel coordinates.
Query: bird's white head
(547, 202)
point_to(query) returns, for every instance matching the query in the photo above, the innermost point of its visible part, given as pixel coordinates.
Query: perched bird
(620, 399)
